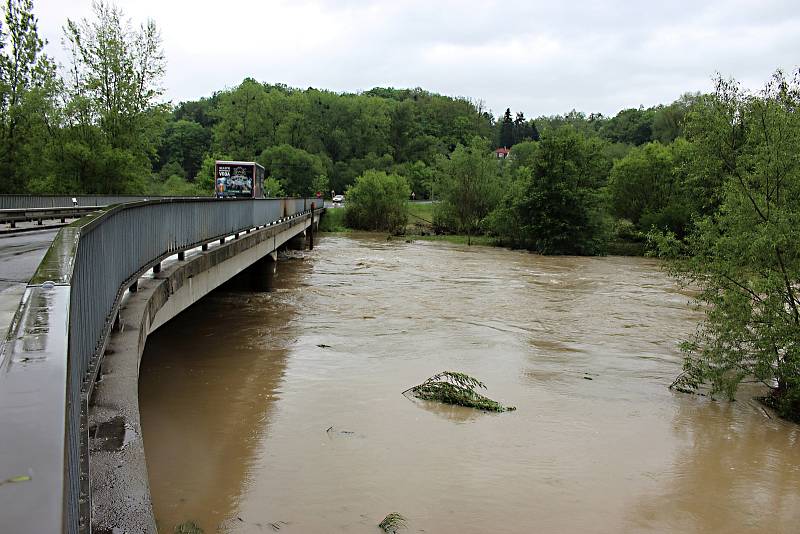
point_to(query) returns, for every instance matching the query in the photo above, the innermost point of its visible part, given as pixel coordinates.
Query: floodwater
(283, 410)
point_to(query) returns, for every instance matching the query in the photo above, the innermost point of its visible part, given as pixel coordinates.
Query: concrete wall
(120, 489)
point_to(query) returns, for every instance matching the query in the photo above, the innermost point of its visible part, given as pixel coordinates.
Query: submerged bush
(392, 523)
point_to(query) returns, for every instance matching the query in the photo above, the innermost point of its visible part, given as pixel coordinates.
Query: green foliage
(588, 125)
(469, 187)
(29, 91)
(745, 257)
(189, 527)
(632, 126)
(333, 221)
(205, 174)
(175, 186)
(184, 142)
(557, 205)
(523, 154)
(451, 387)
(420, 176)
(392, 523)
(298, 172)
(649, 187)
(349, 133)
(113, 118)
(378, 201)
(506, 130)
(273, 188)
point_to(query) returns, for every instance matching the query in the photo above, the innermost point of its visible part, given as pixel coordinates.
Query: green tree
(557, 205)
(420, 177)
(668, 120)
(745, 257)
(506, 136)
(378, 201)
(648, 187)
(29, 87)
(273, 188)
(469, 187)
(185, 143)
(246, 120)
(524, 130)
(534, 131)
(297, 171)
(114, 119)
(524, 154)
(632, 126)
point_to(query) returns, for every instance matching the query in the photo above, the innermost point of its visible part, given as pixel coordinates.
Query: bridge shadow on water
(208, 383)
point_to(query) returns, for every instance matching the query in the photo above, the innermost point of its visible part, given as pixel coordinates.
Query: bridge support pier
(262, 273)
(298, 242)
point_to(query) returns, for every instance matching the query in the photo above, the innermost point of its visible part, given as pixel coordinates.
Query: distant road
(20, 255)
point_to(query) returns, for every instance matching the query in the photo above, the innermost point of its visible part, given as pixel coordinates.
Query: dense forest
(99, 124)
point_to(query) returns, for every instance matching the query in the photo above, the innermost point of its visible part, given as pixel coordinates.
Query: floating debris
(450, 387)
(15, 480)
(190, 527)
(392, 523)
(331, 431)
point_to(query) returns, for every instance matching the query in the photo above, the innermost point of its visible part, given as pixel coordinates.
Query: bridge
(71, 454)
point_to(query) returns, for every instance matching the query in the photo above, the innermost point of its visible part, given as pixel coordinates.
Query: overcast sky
(538, 56)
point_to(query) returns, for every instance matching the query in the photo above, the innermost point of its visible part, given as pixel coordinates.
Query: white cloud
(536, 56)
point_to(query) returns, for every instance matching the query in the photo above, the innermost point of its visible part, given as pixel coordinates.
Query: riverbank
(421, 227)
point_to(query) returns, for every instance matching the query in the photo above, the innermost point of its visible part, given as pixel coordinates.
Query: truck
(238, 179)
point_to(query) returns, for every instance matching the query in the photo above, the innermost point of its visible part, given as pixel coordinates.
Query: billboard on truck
(238, 179)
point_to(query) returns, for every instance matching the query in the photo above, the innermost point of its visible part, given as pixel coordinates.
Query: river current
(283, 410)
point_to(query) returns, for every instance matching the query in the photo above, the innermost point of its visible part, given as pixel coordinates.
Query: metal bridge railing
(95, 260)
(61, 201)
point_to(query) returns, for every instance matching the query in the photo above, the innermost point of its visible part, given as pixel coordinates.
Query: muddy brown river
(283, 410)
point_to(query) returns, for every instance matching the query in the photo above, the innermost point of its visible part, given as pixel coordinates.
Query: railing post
(311, 229)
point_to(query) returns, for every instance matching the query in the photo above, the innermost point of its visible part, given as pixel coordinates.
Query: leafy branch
(451, 387)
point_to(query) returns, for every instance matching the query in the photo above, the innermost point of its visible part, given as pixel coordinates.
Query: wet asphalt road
(20, 255)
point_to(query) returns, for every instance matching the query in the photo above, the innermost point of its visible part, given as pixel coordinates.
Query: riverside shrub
(378, 201)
